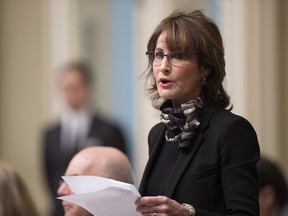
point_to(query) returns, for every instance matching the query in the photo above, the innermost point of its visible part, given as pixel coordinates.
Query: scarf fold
(185, 118)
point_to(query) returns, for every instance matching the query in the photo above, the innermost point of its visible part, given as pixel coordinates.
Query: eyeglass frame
(151, 56)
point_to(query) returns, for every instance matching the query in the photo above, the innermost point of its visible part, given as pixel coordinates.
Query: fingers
(160, 205)
(151, 200)
(150, 209)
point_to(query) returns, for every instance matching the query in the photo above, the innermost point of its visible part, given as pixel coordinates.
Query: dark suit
(217, 174)
(56, 161)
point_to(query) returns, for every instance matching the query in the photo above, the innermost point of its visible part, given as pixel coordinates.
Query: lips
(165, 83)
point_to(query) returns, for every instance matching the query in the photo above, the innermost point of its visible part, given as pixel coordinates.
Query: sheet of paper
(102, 196)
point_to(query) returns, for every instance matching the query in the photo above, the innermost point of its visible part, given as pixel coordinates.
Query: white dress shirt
(74, 128)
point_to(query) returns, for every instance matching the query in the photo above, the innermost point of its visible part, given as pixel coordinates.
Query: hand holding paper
(102, 196)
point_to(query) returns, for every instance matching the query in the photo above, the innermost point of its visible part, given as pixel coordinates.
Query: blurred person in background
(105, 162)
(202, 157)
(273, 194)
(78, 128)
(15, 199)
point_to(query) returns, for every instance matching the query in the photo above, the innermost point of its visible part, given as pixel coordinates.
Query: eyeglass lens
(175, 58)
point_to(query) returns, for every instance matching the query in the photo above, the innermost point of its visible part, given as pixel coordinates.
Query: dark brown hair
(270, 174)
(193, 33)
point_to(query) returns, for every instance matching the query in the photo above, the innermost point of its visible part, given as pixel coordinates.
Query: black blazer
(56, 161)
(217, 174)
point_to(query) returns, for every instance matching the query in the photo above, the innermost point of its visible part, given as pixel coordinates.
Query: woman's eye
(159, 55)
(178, 56)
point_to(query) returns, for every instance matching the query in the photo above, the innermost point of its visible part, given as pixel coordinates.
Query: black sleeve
(239, 153)
(120, 144)
(110, 135)
(46, 161)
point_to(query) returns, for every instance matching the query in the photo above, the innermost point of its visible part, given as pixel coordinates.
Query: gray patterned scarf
(185, 118)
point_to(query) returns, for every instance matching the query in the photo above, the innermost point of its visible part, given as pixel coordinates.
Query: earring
(203, 80)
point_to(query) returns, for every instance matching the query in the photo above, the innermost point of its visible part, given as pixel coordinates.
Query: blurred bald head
(106, 162)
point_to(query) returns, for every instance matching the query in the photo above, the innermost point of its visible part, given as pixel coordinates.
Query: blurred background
(36, 36)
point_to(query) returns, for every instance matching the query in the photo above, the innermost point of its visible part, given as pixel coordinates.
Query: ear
(267, 196)
(205, 71)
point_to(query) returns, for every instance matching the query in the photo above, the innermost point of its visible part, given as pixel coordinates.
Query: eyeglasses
(175, 58)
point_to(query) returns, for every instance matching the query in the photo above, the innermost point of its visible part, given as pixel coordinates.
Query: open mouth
(164, 81)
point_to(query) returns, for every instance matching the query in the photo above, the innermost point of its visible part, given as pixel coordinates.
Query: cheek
(84, 94)
(192, 81)
(154, 73)
(191, 78)
(69, 93)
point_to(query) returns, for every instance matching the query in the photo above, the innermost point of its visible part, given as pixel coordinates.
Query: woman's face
(179, 83)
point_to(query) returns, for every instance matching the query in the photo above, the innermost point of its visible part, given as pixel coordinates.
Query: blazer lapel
(181, 164)
(152, 158)
(187, 154)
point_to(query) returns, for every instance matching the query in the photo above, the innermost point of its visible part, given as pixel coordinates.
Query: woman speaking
(202, 158)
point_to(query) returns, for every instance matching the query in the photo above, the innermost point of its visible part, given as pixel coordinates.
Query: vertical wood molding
(64, 45)
(251, 32)
(234, 38)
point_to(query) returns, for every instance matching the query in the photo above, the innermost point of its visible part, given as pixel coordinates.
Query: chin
(168, 94)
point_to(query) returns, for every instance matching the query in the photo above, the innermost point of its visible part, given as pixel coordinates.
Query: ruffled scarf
(185, 118)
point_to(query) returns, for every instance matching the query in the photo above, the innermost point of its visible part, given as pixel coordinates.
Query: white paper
(101, 196)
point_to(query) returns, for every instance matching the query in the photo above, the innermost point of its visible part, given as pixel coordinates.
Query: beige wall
(21, 91)
(283, 46)
(95, 36)
(251, 32)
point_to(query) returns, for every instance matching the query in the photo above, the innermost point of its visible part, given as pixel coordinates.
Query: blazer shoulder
(225, 119)
(155, 130)
(51, 128)
(154, 133)
(108, 132)
(238, 139)
(104, 124)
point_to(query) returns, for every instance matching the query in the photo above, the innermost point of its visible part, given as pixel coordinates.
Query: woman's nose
(165, 65)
